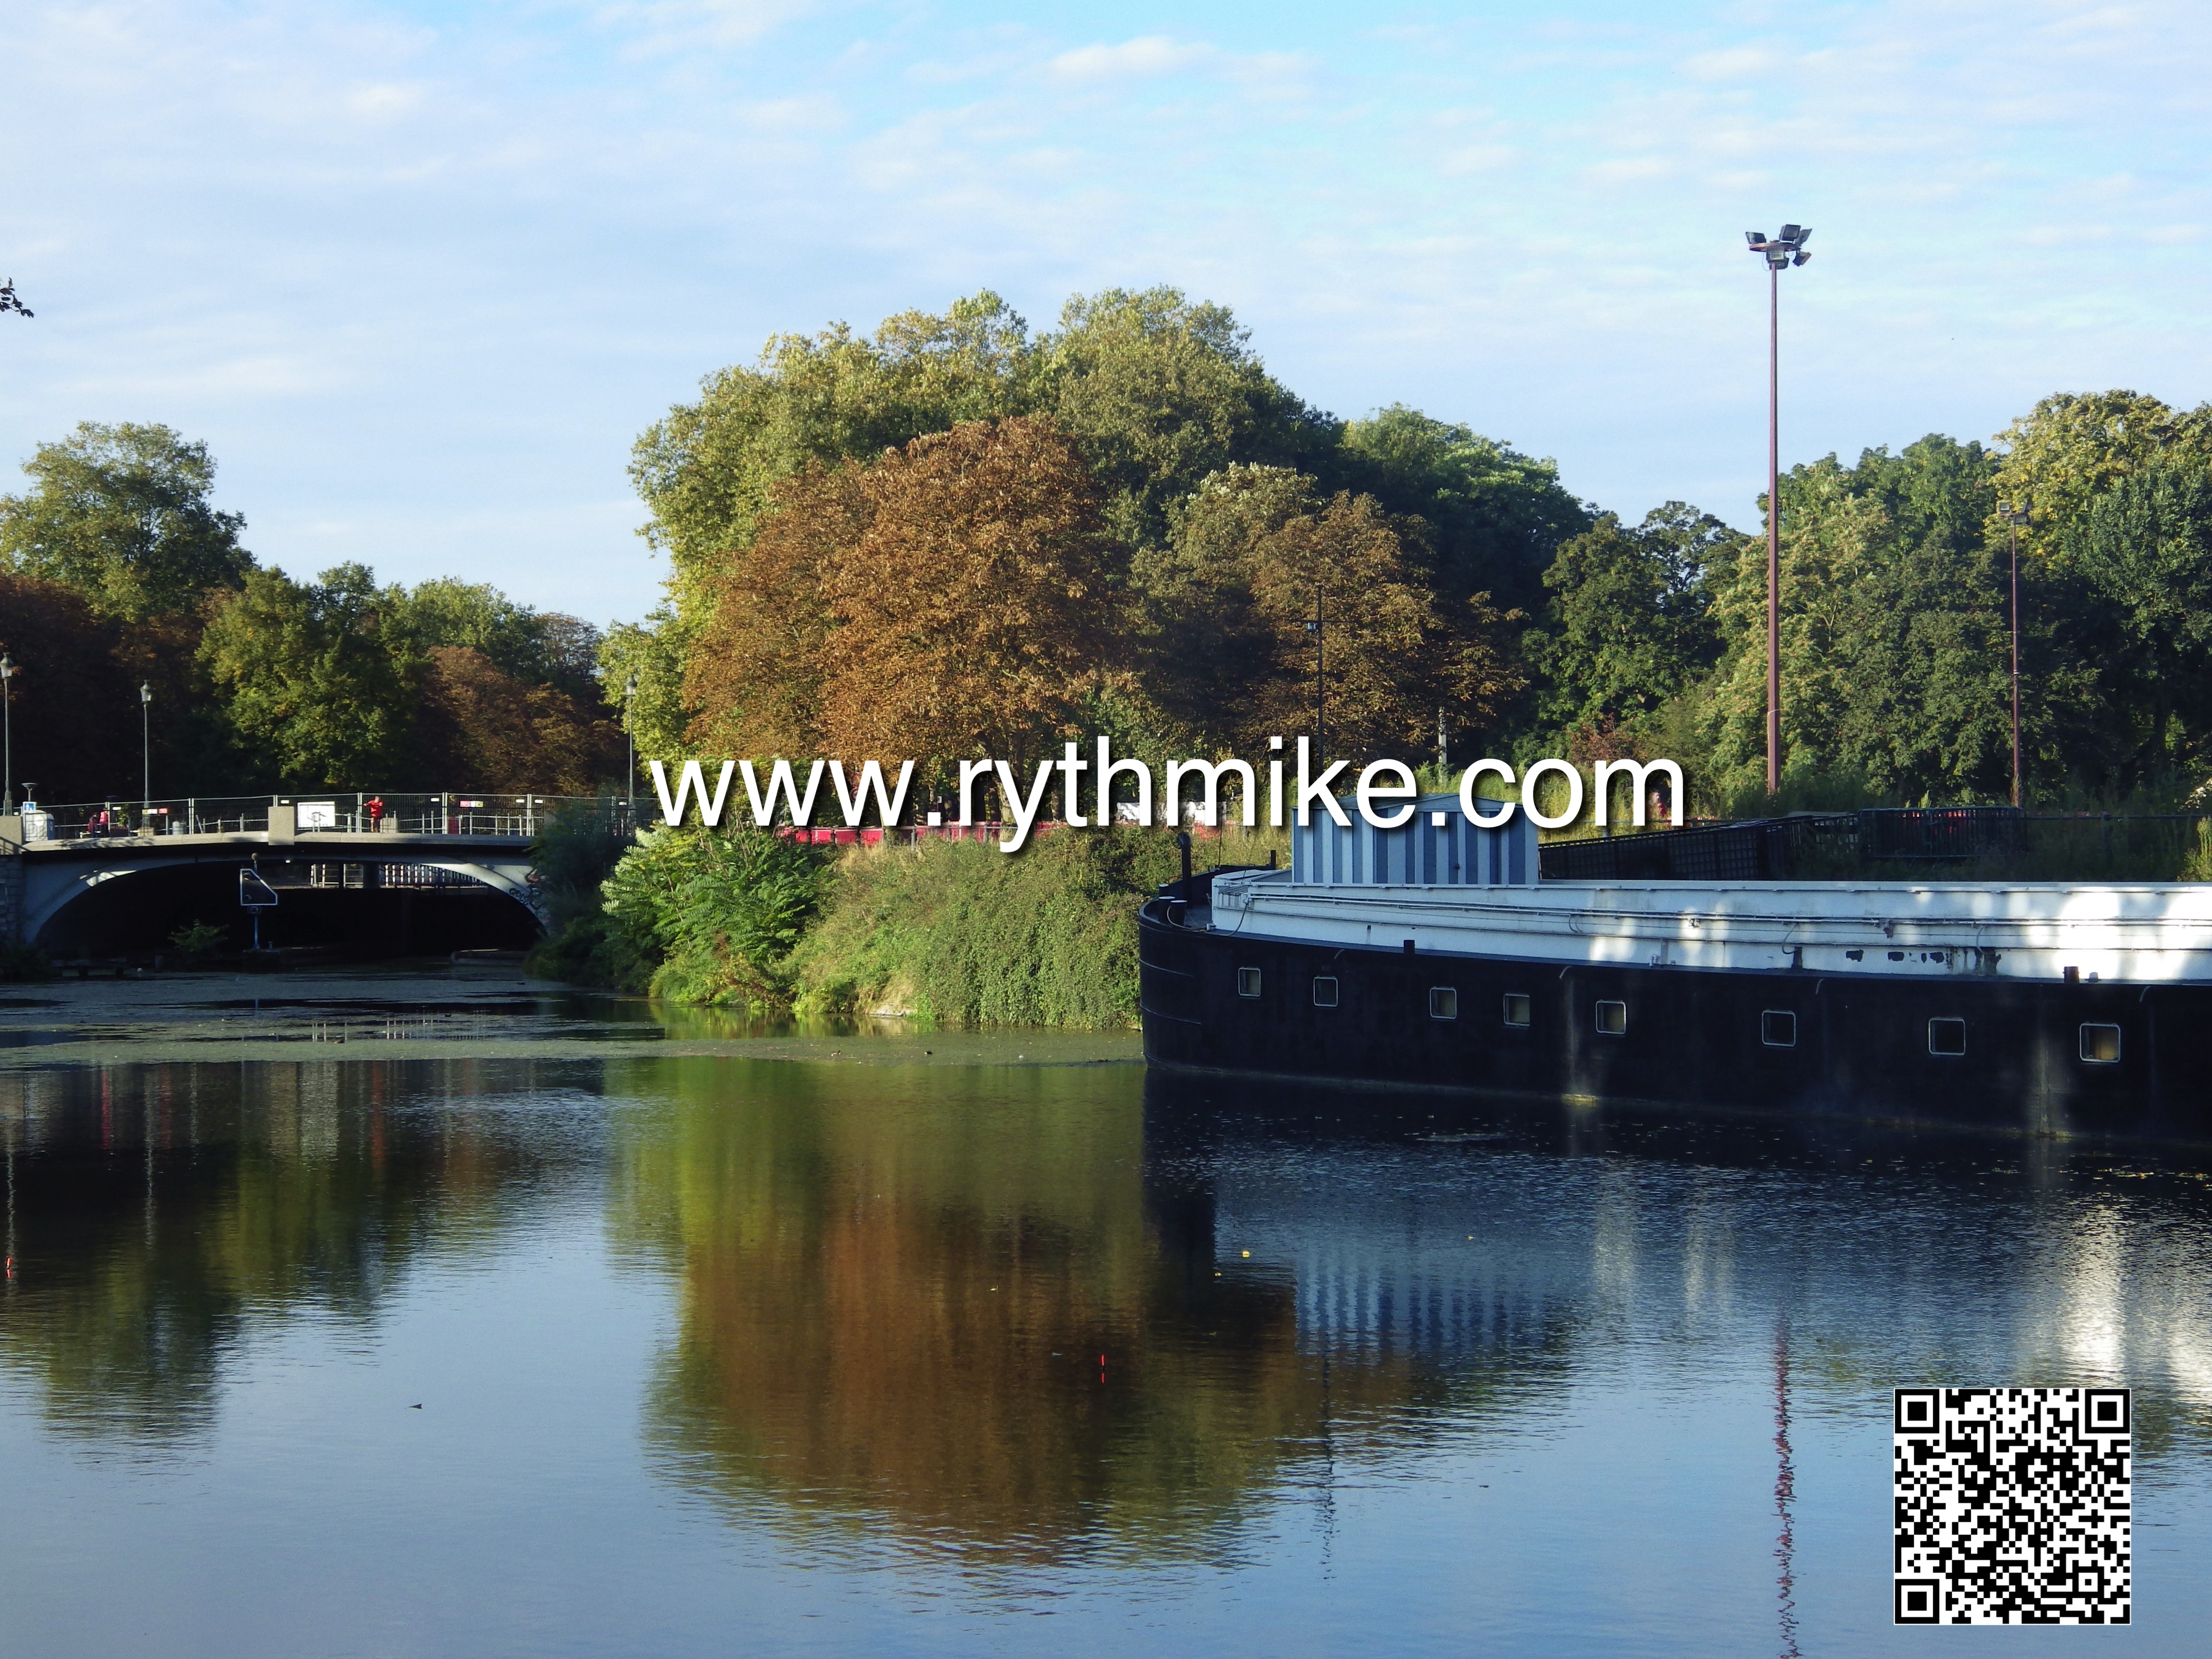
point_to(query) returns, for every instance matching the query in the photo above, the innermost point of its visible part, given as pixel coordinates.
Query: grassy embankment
(951, 933)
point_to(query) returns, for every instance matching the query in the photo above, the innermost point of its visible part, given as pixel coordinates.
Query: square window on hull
(1946, 1037)
(2100, 1045)
(1611, 1018)
(1324, 992)
(1248, 981)
(1444, 1002)
(1778, 1028)
(1517, 1008)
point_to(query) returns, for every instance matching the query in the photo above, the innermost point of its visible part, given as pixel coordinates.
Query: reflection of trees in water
(156, 1212)
(896, 1311)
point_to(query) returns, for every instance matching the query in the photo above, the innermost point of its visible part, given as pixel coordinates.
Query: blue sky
(420, 274)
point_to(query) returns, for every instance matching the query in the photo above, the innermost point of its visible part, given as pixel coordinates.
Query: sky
(419, 275)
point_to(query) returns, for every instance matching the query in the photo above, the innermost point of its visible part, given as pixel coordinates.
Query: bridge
(398, 872)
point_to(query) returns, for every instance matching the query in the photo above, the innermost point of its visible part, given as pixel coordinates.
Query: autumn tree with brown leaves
(952, 599)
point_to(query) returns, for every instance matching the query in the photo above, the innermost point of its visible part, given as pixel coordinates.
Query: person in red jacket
(375, 811)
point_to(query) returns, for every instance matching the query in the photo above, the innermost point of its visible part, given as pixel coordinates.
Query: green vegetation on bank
(951, 933)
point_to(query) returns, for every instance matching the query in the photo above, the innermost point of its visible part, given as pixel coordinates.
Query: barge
(1436, 955)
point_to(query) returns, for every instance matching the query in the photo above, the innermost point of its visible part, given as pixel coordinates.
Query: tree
(122, 514)
(709, 468)
(1161, 392)
(1393, 654)
(1630, 621)
(1204, 640)
(1496, 517)
(2142, 555)
(537, 648)
(1225, 613)
(2073, 446)
(977, 602)
(1896, 635)
(479, 727)
(760, 670)
(314, 695)
(73, 709)
(952, 599)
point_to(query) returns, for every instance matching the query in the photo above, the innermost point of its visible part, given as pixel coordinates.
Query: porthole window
(1613, 1017)
(1946, 1037)
(2101, 1044)
(1778, 1028)
(1444, 1002)
(1324, 992)
(1248, 981)
(1517, 1008)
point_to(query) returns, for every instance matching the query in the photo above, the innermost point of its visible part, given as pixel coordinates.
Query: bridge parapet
(280, 818)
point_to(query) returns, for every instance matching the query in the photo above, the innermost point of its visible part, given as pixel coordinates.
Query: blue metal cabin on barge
(1435, 955)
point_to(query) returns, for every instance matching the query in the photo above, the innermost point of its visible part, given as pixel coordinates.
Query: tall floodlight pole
(1787, 249)
(630, 696)
(145, 750)
(2014, 513)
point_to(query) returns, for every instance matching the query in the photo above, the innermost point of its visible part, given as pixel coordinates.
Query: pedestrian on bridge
(375, 811)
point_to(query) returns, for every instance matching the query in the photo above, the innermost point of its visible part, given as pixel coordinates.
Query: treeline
(953, 538)
(956, 537)
(117, 571)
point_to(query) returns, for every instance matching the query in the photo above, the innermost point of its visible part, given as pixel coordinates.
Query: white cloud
(372, 260)
(1138, 59)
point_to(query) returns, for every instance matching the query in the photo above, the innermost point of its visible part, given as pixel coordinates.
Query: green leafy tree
(537, 648)
(1496, 517)
(2138, 564)
(1226, 612)
(1160, 392)
(313, 692)
(2075, 447)
(122, 514)
(1895, 635)
(1630, 623)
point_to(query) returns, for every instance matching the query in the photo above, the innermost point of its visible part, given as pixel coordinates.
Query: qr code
(2012, 1506)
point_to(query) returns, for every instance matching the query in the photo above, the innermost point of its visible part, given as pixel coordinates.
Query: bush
(963, 934)
(196, 941)
(691, 915)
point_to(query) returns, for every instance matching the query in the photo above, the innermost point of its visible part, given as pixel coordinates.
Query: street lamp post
(7, 672)
(2014, 513)
(1321, 694)
(630, 696)
(145, 751)
(1787, 249)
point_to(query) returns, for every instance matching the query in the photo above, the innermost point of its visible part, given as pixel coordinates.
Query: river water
(444, 1315)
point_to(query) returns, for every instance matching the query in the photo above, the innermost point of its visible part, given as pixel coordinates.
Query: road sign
(253, 892)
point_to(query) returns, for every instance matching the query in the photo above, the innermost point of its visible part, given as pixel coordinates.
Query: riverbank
(947, 934)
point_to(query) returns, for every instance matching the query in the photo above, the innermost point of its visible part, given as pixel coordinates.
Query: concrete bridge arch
(129, 894)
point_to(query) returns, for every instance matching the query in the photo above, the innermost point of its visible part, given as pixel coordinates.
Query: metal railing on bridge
(352, 813)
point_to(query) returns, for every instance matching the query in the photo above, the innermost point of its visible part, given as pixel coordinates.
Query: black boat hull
(1863, 1044)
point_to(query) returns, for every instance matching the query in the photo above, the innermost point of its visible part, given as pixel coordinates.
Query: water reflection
(154, 1213)
(970, 1319)
(1040, 1316)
